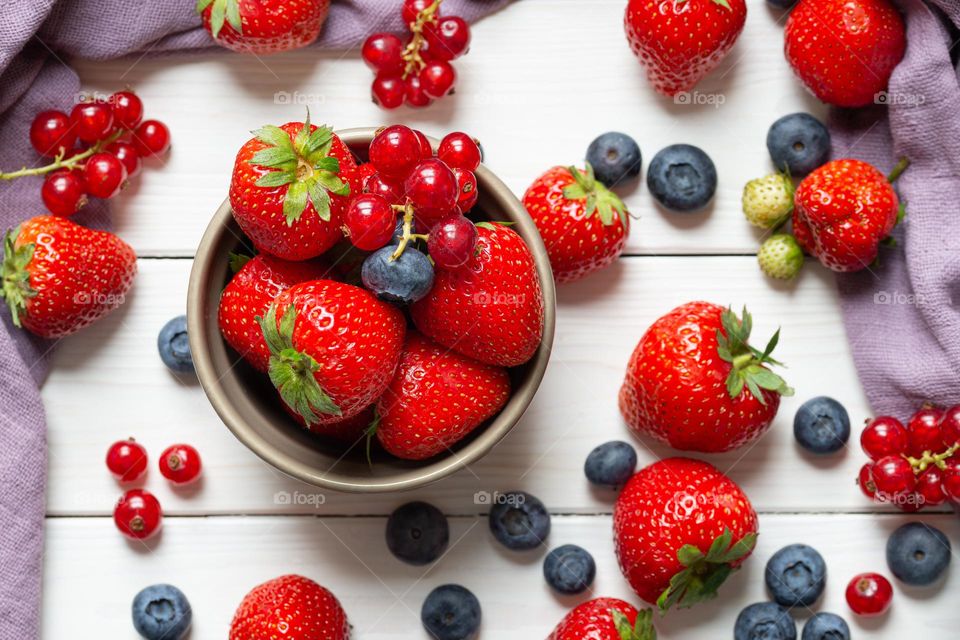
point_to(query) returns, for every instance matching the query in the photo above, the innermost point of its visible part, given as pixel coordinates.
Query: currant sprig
(60, 162)
(411, 53)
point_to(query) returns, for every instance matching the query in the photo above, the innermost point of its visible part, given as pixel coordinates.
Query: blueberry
(404, 280)
(918, 553)
(821, 425)
(161, 612)
(765, 621)
(682, 178)
(615, 158)
(417, 533)
(519, 521)
(174, 346)
(796, 575)
(451, 612)
(397, 232)
(798, 143)
(782, 4)
(825, 626)
(611, 464)
(569, 569)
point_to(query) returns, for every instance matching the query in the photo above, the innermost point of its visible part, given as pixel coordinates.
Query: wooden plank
(92, 574)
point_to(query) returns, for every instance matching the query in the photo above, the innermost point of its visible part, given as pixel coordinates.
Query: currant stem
(923, 463)
(411, 54)
(407, 230)
(60, 163)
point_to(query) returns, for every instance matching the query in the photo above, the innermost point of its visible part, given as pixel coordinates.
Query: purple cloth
(903, 316)
(37, 39)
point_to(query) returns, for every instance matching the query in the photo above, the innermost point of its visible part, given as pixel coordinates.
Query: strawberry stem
(60, 163)
(704, 572)
(898, 169)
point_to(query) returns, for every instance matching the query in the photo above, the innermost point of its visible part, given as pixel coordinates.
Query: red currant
(930, 488)
(64, 192)
(869, 594)
(865, 481)
(908, 501)
(459, 151)
(370, 221)
(449, 38)
(426, 149)
(104, 175)
(883, 436)
(923, 431)
(437, 78)
(893, 475)
(950, 426)
(127, 109)
(138, 514)
(383, 52)
(127, 460)
(389, 191)
(412, 8)
(432, 189)
(413, 92)
(151, 138)
(395, 151)
(128, 155)
(452, 241)
(950, 478)
(180, 464)
(51, 133)
(467, 183)
(93, 121)
(388, 91)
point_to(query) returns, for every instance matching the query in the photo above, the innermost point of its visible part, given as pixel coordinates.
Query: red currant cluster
(431, 192)
(95, 150)
(417, 71)
(913, 466)
(138, 514)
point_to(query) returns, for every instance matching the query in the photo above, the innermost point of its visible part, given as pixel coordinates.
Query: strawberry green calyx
(641, 630)
(748, 363)
(16, 279)
(237, 261)
(223, 11)
(304, 165)
(291, 371)
(705, 572)
(598, 198)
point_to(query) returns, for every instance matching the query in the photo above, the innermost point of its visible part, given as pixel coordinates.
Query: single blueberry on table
(174, 346)
(519, 521)
(765, 621)
(161, 612)
(918, 554)
(404, 280)
(611, 464)
(821, 425)
(417, 533)
(682, 178)
(825, 626)
(796, 575)
(615, 158)
(451, 612)
(569, 569)
(798, 143)
(782, 4)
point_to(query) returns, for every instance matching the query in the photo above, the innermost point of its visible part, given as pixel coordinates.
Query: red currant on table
(930, 488)
(138, 514)
(151, 138)
(64, 192)
(437, 78)
(459, 151)
(865, 481)
(950, 426)
(432, 189)
(893, 475)
(413, 93)
(923, 431)
(127, 109)
(388, 91)
(449, 38)
(180, 464)
(395, 151)
(104, 175)
(883, 436)
(370, 221)
(869, 594)
(128, 155)
(51, 133)
(92, 121)
(383, 52)
(127, 460)
(452, 241)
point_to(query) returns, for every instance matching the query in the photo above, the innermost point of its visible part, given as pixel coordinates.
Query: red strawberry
(437, 398)
(694, 383)
(680, 527)
(290, 607)
(249, 294)
(59, 277)
(583, 224)
(290, 188)
(491, 309)
(606, 619)
(263, 26)
(845, 50)
(333, 348)
(681, 41)
(842, 211)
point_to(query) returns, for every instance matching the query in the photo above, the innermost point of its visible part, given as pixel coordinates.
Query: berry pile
(416, 71)
(916, 465)
(95, 150)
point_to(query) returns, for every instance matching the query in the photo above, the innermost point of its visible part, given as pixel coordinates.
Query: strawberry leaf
(233, 15)
(596, 197)
(275, 179)
(642, 629)
(320, 199)
(274, 137)
(16, 276)
(275, 157)
(748, 364)
(202, 5)
(701, 579)
(237, 261)
(295, 202)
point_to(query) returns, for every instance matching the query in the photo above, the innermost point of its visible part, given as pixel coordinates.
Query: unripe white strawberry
(780, 256)
(768, 200)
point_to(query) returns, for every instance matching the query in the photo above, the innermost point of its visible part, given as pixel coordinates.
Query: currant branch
(60, 163)
(411, 54)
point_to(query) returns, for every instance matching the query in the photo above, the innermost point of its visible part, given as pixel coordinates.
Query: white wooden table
(543, 78)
